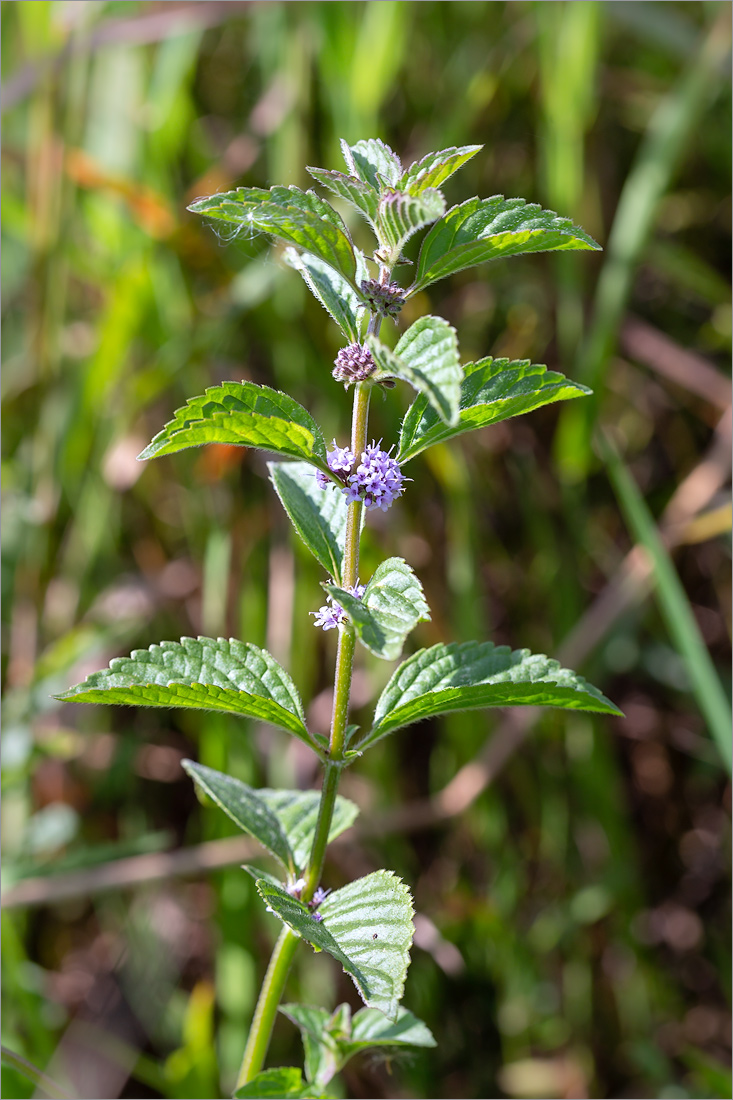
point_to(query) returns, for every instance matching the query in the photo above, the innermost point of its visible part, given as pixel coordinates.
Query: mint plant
(327, 492)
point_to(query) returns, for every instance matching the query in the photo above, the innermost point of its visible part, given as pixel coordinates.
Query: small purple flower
(339, 459)
(295, 889)
(318, 917)
(329, 617)
(377, 480)
(319, 896)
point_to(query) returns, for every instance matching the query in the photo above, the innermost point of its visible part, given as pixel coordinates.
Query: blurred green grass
(575, 916)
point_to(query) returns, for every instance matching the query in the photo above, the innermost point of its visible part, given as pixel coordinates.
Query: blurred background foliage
(570, 874)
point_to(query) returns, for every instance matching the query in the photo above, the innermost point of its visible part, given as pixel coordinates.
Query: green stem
(282, 956)
(329, 790)
(344, 663)
(271, 993)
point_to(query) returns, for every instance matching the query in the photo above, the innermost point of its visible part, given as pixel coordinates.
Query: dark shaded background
(570, 877)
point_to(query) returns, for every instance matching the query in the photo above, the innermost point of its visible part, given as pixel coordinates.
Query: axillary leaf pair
(325, 491)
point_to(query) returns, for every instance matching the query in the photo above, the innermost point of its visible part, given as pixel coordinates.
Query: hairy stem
(344, 663)
(282, 956)
(271, 993)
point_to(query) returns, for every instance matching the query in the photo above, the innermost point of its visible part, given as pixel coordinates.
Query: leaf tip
(150, 451)
(64, 696)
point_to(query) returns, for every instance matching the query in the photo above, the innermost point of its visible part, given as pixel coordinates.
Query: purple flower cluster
(329, 617)
(377, 480)
(340, 460)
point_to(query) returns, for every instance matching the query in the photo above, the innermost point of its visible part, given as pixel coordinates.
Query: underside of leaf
(297, 812)
(359, 194)
(331, 1039)
(427, 357)
(367, 926)
(246, 808)
(319, 516)
(401, 215)
(328, 287)
(393, 603)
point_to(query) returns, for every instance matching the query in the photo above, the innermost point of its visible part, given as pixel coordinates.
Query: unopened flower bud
(387, 299)
(353, 364)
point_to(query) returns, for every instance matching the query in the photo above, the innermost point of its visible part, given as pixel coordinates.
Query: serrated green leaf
(371, 1028)
(230, 206)
(435, 168)
(353, 190)
(298, 916)
(300, 218)
(366, 926)
(472, 675)
(400, 215)
(392, 604)
(257, 873)
(330, 1040)
(297, 812)
(493, 390)
(313, 226)
(318, 515)
(246, 414)
(247, 809)
(362, 270)
(486, 229)
(283, 821)
(321, 1050)
(349, 733)
(283, 1083)
(426, 356)
(335, 294)
(373, 162)
(203, 673)
(310, 201)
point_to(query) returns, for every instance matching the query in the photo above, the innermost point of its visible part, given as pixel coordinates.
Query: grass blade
(26, 1069)
(659, 154)
(674, 605)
